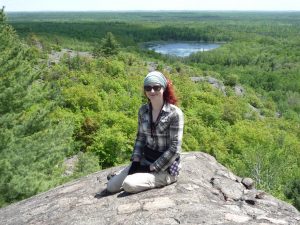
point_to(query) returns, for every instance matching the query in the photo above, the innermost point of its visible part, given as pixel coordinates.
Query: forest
(84, 103)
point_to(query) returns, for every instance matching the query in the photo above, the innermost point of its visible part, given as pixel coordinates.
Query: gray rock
(70, 165)
(239, 90)
(248, 182)
(152, 66)
(255, 110)
(54, 57)
(213, 81)
(197, 79)
(197, 198)
(231, 190)
(168, 69)
(250, 196)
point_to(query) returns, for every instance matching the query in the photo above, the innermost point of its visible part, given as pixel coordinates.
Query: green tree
(87, 163)
(33, 145)
(292, 191)
(108, 46)
(2, 15)
(231, 80)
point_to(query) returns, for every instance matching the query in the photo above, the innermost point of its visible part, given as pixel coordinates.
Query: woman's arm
(139, 142)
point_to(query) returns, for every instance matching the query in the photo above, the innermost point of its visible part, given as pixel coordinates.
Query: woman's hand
(152, 168)
(134, 167)
(136, 159)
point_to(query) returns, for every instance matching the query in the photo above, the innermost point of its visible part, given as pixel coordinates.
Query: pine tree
(108, 46)
(2, 15)
(32, 145)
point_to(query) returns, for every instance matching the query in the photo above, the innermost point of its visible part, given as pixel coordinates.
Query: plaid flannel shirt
(166, 136)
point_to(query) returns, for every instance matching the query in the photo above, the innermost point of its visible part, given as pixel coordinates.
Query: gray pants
(138, 182)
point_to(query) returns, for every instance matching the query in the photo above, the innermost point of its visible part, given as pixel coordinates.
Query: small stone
(249, 196)
(248, 183)
(260, 195)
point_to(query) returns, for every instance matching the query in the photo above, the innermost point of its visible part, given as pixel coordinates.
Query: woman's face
(154, 91)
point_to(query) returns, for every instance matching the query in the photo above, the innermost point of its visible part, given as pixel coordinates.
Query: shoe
(103, 193)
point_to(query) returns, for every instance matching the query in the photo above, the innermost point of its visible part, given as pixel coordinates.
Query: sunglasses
(155, 88)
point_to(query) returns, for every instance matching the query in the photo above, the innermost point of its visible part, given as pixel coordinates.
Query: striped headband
(155, 77)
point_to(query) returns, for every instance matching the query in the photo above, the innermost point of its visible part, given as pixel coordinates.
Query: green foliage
(113, 141)
(108, 46)
(111, 146)
(231, 80)
(292, 191)
(87, 106)
(32, 145)
(2, 15)
(115, 68)
(233, 110)
(77, 62)
(258, 150)
(79, 97)
(87, 163)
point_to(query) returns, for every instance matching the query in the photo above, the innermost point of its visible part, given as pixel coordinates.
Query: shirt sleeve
(140, 139)
(176, 133)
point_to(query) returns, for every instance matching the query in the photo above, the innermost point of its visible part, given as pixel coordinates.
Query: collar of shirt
(165, 108)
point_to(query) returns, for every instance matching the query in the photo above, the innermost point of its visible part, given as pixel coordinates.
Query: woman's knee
(138, 182)
(129, 185)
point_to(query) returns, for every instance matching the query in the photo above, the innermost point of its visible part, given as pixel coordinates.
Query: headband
(155, 77)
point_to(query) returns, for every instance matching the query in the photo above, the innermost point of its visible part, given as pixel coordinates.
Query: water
(181, 49)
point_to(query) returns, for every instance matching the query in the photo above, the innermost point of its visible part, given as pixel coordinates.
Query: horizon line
(160, 10)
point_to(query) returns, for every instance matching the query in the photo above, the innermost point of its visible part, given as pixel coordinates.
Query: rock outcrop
(56, 56)
(206, 193)
(213, 81)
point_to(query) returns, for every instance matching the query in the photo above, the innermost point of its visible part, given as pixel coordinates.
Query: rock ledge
(206, 193)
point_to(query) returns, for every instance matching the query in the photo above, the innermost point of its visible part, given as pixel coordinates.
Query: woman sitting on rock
(156, 155)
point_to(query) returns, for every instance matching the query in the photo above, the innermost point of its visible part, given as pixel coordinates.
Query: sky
(132, 5)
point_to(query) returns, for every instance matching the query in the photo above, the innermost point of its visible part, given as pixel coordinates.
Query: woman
(156, 155)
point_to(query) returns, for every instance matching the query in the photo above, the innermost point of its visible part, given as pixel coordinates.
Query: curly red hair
(169, 93)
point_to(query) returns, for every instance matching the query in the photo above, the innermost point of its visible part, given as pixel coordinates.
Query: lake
(181, 49)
